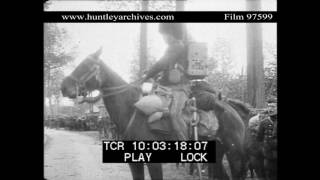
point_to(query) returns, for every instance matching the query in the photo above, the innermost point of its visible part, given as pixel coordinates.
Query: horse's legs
(155, 171)
(178, 164)
(210, 171)
(258, 165)
(216, 170)
(137, 171)
(251, 167)
(270, 167)
(237, 165)
(191, 168)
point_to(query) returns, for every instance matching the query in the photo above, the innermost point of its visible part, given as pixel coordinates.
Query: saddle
(207, 122)
(156, 106)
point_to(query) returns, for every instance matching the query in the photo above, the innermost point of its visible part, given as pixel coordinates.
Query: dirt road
(77, 156)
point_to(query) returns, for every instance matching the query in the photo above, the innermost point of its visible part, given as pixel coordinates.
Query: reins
(95, 71)
(115, 90)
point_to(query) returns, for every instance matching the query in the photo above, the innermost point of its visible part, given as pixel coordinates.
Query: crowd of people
(83, 123)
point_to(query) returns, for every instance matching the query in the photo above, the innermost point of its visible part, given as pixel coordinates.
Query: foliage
(270, 71)
(220, 66)
(56, 80)
(55, 52)
(222, 56)
(271, 80)
(56, 56)
(46, 4)
(234, 86)
(111, 5)
(168, 5)
(135, 66)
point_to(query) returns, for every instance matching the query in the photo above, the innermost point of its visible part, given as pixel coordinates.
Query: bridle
(81, 81)
(94, 71)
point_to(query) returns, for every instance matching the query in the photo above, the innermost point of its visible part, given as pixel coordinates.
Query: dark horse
(230, 139)
(119, 98)
(260, 145)
(233, 116)
(246, 114)
(232, 131)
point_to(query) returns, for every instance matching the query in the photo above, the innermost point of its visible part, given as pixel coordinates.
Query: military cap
(174, 29)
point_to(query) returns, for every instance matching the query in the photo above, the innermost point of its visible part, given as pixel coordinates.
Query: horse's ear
(98, 53)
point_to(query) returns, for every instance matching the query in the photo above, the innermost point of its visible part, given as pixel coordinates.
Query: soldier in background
(267, 135)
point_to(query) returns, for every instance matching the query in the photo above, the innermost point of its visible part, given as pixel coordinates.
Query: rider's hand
(144, 78)
(80, 99)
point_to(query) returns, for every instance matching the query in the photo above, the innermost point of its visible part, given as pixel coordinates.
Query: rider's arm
(171, 56)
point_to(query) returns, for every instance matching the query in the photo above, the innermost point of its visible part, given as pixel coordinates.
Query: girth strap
(130, 123)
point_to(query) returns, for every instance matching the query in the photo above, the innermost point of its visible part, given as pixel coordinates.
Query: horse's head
(84, 78)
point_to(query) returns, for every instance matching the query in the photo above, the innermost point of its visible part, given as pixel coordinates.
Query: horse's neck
(110, 78)
(245, 115)
(119, 106)
(219, 107)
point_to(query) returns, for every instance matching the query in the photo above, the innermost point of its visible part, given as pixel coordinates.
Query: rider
(172, 66)
(176, 54)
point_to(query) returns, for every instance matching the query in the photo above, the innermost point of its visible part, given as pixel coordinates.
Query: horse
(232, 132)
(230, 137)
(242, 109)
(251, 147)
(119, 98)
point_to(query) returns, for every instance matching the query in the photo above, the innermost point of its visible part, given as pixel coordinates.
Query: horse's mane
(113, 74)
(120, 106)
(241, 105)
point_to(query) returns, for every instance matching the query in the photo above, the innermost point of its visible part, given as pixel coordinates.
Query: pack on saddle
(169, 105)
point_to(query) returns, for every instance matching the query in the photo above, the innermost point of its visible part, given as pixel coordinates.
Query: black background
(22, 92)
(169, 155)
(179, 16)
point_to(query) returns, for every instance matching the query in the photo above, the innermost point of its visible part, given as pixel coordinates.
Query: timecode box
(159, 151)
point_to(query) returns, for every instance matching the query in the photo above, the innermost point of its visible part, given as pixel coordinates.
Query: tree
(55, 54)
(112, 5)
(220, 68)
(270, 71)
(135, 66)
(270, 81)
(57, 77)
(179, 5)
(143, 41)
(55, 57)
(220, 65)
(255, 75)
(168, 5)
